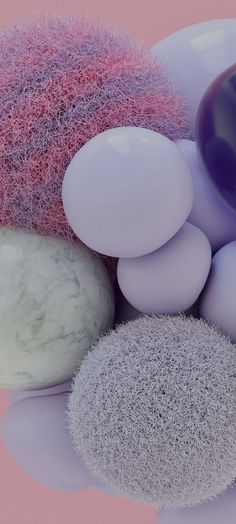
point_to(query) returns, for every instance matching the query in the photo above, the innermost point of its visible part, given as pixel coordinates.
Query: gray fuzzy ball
(153, 411)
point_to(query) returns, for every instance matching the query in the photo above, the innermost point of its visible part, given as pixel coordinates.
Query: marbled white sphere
(55, 301)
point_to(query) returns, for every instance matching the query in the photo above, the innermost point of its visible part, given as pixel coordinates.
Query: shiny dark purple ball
(215, 133)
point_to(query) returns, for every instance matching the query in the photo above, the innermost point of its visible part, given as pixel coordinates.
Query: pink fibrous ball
(63, 81)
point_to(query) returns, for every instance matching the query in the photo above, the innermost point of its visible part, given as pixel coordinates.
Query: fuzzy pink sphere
(63, 81)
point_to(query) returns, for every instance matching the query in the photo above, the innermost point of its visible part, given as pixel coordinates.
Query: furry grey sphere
(153, 411)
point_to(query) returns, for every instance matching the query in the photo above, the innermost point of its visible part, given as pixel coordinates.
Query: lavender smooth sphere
(170, 279)
(210, 212)
(34, 433)
(196, 55)
(127, 192)
(218, 303)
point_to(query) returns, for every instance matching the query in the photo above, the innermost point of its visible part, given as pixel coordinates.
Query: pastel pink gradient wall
(149, 20)
(23, 501)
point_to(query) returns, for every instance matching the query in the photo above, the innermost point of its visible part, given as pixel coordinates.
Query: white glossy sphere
(55, 300)
(127, 192)
(218, 303)
(170, 279)
(196, 55)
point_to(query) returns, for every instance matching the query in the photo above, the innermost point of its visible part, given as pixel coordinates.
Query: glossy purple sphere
(216, 133)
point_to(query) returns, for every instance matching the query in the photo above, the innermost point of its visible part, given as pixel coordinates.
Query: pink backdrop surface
(23, 501)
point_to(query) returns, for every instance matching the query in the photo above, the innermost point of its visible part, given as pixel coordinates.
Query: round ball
(216, 131)
(55, 300)
(64, 80)
(153, 411)
(127, 192)
(221, 509)
(196, 54)
(218, 302)
(170, 279)
(34, 433)
(209, 212)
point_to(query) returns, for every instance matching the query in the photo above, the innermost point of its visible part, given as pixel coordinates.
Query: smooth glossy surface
(127, 192)
(34, 433)
(218, 302)
(196, 55)
(170, 279)
(210, 212)
(216, 133)
(221, 510)
(55, 300)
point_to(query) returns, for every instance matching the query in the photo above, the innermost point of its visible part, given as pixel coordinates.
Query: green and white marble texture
(56, 299)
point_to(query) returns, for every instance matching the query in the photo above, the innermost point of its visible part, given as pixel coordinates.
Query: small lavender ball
(153, 411)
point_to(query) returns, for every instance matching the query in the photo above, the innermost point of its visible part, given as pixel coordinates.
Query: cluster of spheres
(117, 258)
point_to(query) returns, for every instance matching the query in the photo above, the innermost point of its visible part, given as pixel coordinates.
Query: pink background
(23, 501)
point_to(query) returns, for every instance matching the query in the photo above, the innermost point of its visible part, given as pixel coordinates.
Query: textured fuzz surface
(62, 82)
(153, 411)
